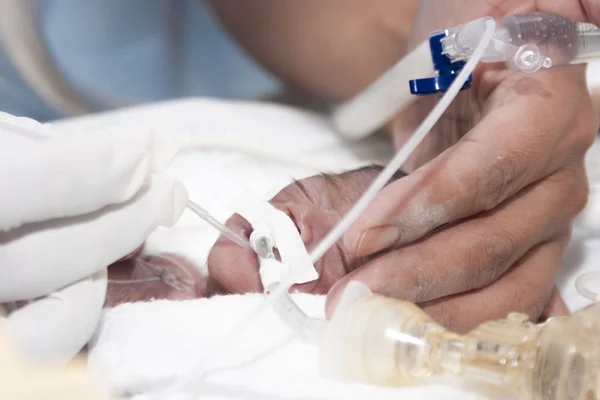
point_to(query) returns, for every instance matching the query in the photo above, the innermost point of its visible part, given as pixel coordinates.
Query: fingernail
(377, 239)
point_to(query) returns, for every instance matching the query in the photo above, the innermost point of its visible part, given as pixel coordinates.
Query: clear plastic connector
(527, 42)
(460, 41)
(390, 342)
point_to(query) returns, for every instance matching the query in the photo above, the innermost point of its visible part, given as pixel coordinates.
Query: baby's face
(315, 205)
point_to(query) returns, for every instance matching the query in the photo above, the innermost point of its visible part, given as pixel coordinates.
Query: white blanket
(139, 347)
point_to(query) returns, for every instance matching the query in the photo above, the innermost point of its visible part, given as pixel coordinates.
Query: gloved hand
(72, 204)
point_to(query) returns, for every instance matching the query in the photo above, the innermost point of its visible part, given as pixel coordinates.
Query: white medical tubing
(205, 215)
(308, 328)
(226, 342)
(384, 98)
(583, 280)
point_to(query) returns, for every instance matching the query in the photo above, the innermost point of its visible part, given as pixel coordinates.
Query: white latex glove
(71, 206)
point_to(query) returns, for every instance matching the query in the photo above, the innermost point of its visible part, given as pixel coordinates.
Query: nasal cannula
(205, 215)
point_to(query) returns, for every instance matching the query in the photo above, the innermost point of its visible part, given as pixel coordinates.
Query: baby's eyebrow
(300, 185)
(331, 178)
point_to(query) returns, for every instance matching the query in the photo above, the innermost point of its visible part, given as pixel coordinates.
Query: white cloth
(142, 346)
(72, 205)
(139, 346)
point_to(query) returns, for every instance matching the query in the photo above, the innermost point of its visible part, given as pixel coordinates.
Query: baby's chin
(165, 277)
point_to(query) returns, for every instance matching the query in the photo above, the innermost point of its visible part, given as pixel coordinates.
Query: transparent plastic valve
(390, 342)
(528, 42)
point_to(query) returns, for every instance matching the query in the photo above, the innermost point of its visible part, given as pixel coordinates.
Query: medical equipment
(205, 215)
(525, 42)
(392, 342)
(161, 274)
(278, 293)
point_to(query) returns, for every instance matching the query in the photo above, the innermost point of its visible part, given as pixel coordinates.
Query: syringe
(205, 215)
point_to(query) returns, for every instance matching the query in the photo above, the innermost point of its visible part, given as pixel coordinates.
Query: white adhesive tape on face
(267, 219)
(272, 272)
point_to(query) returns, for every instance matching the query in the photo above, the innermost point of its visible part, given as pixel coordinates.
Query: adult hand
(479, 226)
(316, 204)
(72, 205)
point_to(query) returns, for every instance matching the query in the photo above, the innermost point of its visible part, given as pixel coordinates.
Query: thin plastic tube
(380, 101)
(308, 328)
(205, 215)
(163, 275)
(219, 349)
(133, 281)
(582, 280)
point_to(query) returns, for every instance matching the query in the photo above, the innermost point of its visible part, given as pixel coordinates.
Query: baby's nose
(231, 268)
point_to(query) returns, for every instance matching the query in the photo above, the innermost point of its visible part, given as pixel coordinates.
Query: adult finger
(472, 254)
(55, 328)
(530, 134)
(526, 288)
(38, 259)
(79, 174)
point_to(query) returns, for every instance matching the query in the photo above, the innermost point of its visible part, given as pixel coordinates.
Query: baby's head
(316, 205)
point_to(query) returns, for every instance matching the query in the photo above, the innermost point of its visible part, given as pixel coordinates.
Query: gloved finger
(529, 135)
(71, 176)
(526, 288)
(473, 254)
(38, 259)
(55, 328)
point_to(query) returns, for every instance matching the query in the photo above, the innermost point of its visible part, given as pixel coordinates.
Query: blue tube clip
(446, 69)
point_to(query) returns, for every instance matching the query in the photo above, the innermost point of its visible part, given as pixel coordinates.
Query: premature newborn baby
(315, 204)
